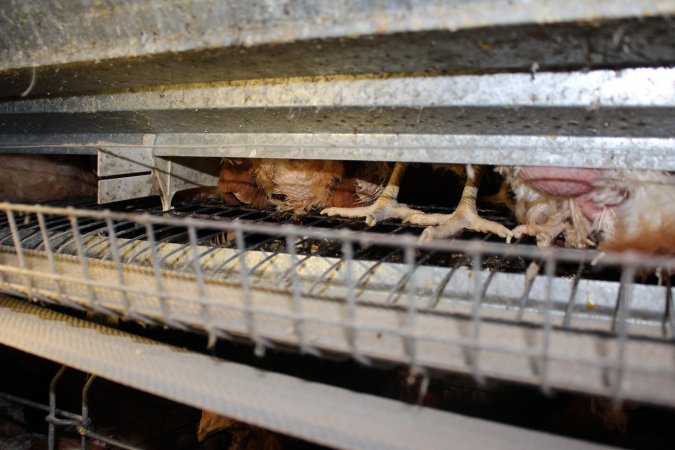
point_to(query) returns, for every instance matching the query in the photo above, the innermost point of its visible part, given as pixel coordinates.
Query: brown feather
(237, 184)
(300, 185)
(660, 240)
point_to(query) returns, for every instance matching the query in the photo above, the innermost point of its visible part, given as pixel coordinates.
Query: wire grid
(87, 421)
(320, 290)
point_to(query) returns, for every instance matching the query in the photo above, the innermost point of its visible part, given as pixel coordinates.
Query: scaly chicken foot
(543, 233)
(385, 207)
(546, 234)
(574, 232)
(380, 210)
(440, 226)
(465, 217)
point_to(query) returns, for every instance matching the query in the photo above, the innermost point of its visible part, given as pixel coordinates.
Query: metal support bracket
(135, 172)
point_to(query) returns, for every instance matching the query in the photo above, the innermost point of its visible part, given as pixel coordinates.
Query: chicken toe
(385, 207)
(466, 216)
(448, 225)
(545, 234)
(439, 225)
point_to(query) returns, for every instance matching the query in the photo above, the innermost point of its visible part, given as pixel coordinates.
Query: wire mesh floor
(560, 318)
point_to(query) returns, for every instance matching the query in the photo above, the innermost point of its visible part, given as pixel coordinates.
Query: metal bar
(89, 248)
(299, 323)
(409, 325)
(56, 231)
(86, 422)
(543, 362)
(210, 249)
(639, 87)
(435, 297)
(98, 224)
(438, 291)
(143, 236)
(135, 239)
(621, 328)
(406, 277)
(271, 255)
(105, 439)
(51, 418)
(350, 307)
(164, 239)
(39, 406)
(460, 148)
(670, 308)
(569, 312)
(245, 280)
(530, 275)
(115, 253)
(52, 262)
(335, 266)
(372, 268)
(19, 250)
(319, 413)
(260, 244)
(169, 238)
(160, 292)
(244, 25)
(28, 232)
(473, 353)
(83, 263)
(201, 291)
(299, 262)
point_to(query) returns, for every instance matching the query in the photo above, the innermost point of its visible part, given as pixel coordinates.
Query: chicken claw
(465, 216)
(546, 234)
(448, 225)
(543, 233)
(385, 207)
(439, 226)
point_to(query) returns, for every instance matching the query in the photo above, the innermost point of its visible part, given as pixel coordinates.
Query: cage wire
(554, 317)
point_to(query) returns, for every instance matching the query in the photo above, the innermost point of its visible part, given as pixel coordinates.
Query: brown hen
(300, 185)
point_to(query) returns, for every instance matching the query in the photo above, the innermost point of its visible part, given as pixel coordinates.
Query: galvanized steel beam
(52, 48)
(562, 151)
(319, 413)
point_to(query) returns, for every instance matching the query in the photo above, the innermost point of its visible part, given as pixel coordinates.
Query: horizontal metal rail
(562, 151)
(315, 412)
(200, 41)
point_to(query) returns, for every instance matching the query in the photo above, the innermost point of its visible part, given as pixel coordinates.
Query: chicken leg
(438, 225)
(385, 207)
(466, 216)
